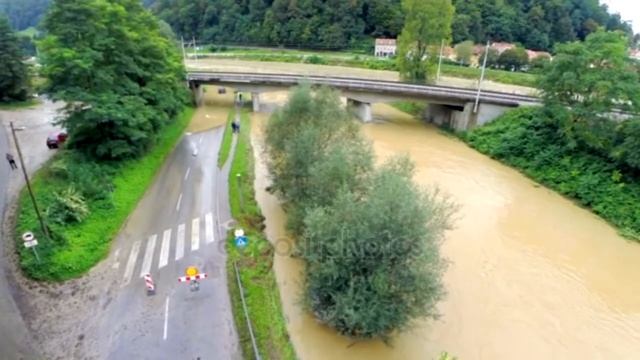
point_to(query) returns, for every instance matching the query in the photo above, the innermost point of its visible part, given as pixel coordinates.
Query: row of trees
(369, 237)
(14, 74)
(336, 24)
(120, 77)
(514, 59)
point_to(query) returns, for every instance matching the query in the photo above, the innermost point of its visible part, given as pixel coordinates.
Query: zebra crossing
(160, 245)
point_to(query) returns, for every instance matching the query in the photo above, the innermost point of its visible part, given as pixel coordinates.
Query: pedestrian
(11, 161)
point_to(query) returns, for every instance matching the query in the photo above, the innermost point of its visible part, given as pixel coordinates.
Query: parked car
(56, 139)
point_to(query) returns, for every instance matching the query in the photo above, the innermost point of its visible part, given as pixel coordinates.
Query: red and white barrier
(194, 277)
(148, 282)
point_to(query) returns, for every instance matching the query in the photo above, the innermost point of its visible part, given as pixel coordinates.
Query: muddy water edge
(531, 275)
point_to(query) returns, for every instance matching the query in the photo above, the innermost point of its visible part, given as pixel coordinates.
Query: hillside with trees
(337, 24)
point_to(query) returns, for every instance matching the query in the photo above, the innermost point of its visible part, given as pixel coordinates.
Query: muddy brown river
(531, 275)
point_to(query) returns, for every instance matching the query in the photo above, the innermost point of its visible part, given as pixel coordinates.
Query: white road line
(200, 141)
(131, 263)
(209, 228)
(164, 250)
(116, 257)
(180, 242)
(179, 201)
(166, 318)
(148, 256)
(186, 175)
(195, 234)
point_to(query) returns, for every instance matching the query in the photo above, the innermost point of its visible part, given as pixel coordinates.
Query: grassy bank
(410, 107)
(529, 141)
(114, 192)
(368, 62)
(255, 263)
(19, 104)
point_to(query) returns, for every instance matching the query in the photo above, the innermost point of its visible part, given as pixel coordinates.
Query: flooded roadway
(532, 276)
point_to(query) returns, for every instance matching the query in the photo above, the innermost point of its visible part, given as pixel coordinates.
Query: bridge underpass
(448, 106)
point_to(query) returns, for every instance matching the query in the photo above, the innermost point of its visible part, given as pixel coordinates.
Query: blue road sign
(241, 241)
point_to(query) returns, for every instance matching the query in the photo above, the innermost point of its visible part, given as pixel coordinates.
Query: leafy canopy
(120, 77)
(592, 78)
(14, 76)
(369, 237)
(427, 23)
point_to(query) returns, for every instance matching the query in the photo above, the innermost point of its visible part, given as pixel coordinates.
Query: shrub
(68, 207)
(315, 59)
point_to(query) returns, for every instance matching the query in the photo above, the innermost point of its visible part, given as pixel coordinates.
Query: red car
(56, 139)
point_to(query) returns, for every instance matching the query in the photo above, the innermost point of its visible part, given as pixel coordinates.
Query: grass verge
(255, 262)
(77, 247)
(225, 147)
(410, 107)
(19, 104)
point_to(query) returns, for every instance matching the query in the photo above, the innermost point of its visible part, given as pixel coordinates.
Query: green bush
(530, 140)
(370, 238)
(68, 207)
(315, 59)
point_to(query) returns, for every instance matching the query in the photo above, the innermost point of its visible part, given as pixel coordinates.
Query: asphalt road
(180, 222)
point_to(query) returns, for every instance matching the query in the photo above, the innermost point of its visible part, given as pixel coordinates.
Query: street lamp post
(45, 231)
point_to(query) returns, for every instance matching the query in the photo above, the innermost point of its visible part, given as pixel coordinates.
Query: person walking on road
(11, 161)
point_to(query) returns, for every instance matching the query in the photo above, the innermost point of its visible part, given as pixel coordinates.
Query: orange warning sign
(192, 271)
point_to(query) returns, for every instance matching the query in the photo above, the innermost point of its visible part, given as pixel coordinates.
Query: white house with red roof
(385, 47)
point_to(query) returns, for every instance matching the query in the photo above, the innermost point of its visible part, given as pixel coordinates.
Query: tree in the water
(373, 263)
(427, 23)
(370, 238)
(121, 78)
(14, 76)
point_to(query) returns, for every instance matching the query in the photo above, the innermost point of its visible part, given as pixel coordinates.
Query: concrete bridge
(450, 106)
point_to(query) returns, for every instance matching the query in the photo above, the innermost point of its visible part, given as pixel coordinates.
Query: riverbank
(527, 141)
(255, 262)
(110, 194)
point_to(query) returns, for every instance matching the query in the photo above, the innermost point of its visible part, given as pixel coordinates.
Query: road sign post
(241, 240)
(30, 241)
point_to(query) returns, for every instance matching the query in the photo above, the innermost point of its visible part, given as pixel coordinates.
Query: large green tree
(14, 76)
(427, 23)
(592, 79)
(121, 78)
(369, 237)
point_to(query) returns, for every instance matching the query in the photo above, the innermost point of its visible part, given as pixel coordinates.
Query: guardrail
(246, 314)
(364, 85)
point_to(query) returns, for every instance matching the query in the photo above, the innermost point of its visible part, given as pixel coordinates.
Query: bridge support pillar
(255, 99)
(361, 109)
(197, 92)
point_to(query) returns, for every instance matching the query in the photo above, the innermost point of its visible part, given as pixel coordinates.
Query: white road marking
(209, 228)
(148, 256)
(164, 250)
(195, 234)
(180, 242)
(166, 318)
(179, 201)
(116, 256)
(200, 141)
(131, 263)
(186, 175)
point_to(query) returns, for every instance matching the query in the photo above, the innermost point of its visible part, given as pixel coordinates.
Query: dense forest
(338, 24)
(335, 24)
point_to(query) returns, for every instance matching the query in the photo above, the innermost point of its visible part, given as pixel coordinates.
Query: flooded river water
(531, 275)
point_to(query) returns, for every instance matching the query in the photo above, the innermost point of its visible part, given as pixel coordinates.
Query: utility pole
(195, 48)
(440, 60)
(45, 231)
(484, 66)
(184, 53)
